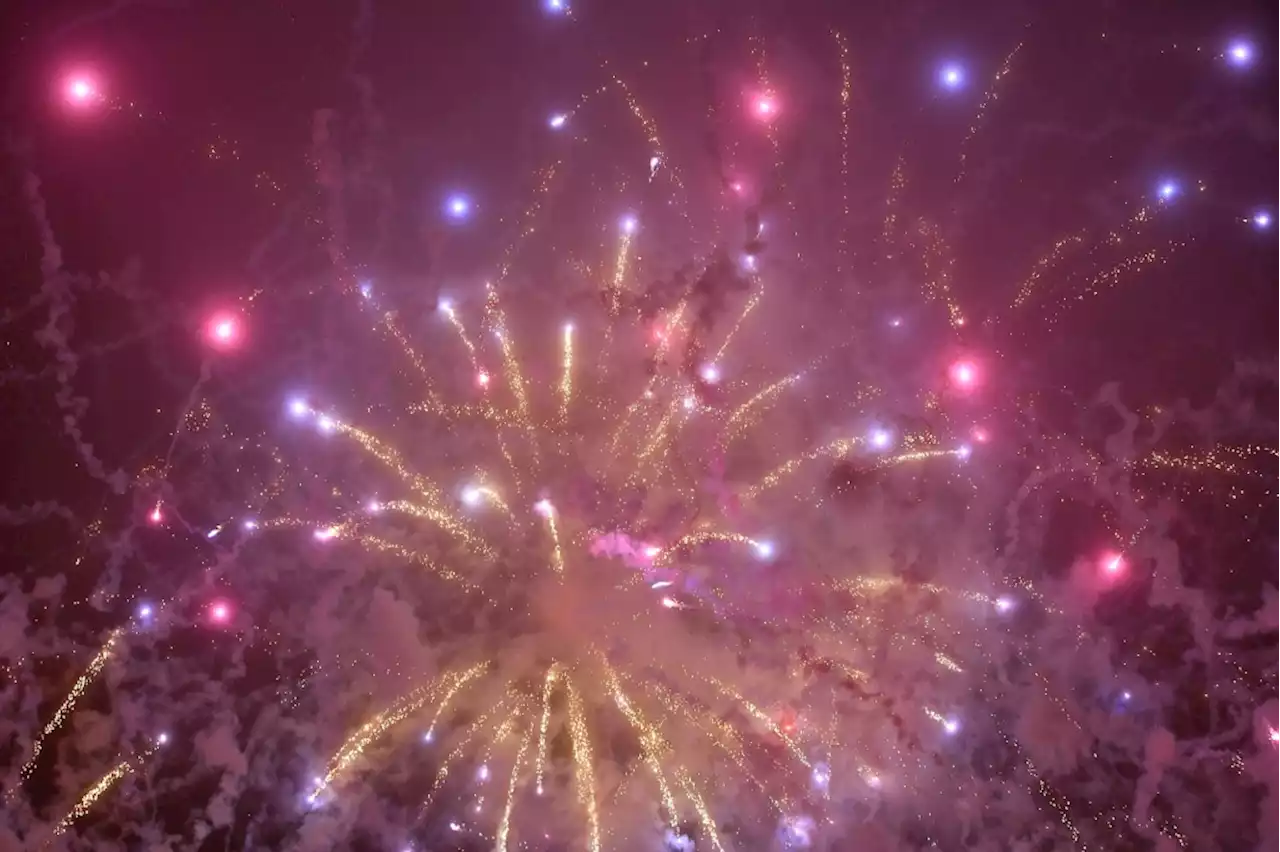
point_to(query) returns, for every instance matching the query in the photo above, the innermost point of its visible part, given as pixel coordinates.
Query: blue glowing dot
(299, 407)
(366, 289)
(145, 611)
(1261, 220)
(1168, 191)
(951, 77)
(1004, 604)
(556, 6)
(458, 207)
(1240, 53)
(880, 439)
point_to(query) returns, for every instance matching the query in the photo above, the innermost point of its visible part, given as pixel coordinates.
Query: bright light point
(710, 373)
(951, 726)
(1004, 604)
(654, 162)
(652, 551)
(373, 507)
(1126, 695)
(1261, 220)
(471, 496)
(556, 6)
(145, 610)
(1113, 563)
(629, 225)
(156, 515)
(428, 737)
(660, 584)
(557, 121)
(483, 772)
(366, 289)
(737, 187)
(964, 374)
(250, 525)
(445, 306)
(874, 780)
(162, 739)
(299, 407)
(766, 107)
(764, 549)
(543, 507)
(964, 451)
(1168, 191)
(539, 790)
(213, 533)
(458, 207)
(482, 379)
(326, 533)
(1275, 736)
(749, 261)
(453, 826)
(980, 435)
(881, 439)
(325, 423)
(1240, 53)
(223, 330)
(219, 612)
(690, 403)
(670, 603)
(951, 77)
(568, 328)
(896, 322)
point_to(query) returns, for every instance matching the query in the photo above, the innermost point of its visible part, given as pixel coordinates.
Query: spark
(1240, 54)
(1168, 190)
(566, 371)
(90, 797)
(458, 207)
(548, 685)
(558, 120)
(1261, 220)
(584, 767)
(951, 76)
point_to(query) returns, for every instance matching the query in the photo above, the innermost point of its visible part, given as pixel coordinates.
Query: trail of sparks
(504, 827)
(529, 222)
(90, 797)
(838, 448)
(99, 661)
(619, 273)
(511, 365)
(548, 684)
(584, 776)
(738, 417)
(989, 97)
(442, 774)
(557, 552)
(702, 537)
(938, 262)
(746, 311)
(846, 93)
(651, 741)
(704, 814)
(566, 372)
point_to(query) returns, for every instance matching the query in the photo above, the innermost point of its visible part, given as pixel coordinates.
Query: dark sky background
(199, 169)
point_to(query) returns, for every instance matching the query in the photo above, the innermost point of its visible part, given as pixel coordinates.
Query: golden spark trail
(511, 365)
(99, 661)
(548, 511)
(504, 827)
(456, 322)
(548, 684)
(474, 728)
(990, 96)
(90, 797)
(388, 456)
(619, 274)
(746, 311)
(397, 334)
(444, 521)
(566, 372)
(1061, 247)
(650, 739)
(529, 225)
(702, 537)
(763, 718)
(453, 690)
(761, 396)
(704, 815)
(846, 94)
(584, 766)
(838, 448)
(897, 182)
(383, 546)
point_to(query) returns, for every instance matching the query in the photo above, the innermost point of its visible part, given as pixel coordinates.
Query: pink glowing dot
(220, 612)
(80, 90)
(1113, 563)
(224, 330)
(964, 374)
(1275, 736)
(981, 435)
(156, 515)
(737, 187)
(766, 107)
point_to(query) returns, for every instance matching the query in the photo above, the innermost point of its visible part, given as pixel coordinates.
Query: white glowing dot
(670, 603)
(951, 76)
(445, 306)
(299, 407)
(458, 207)
(220, 612)
(1004, 604)
(326, 533)
(213, 533)
(483, 773)
(964, 451)
(250, 525)
(326, 423)
(471, 496)
(690, 402)
(652, 550)
(896, 322)
(874, 780)
(1261, 220)
(1168, 191)
(162, 739)
(1240, 53)
(80, 90)
(543, 507)
(557, 121)
(373, 507)
(710, 373)
(428, 737)
(764, 549)
(455, 827)
(629, 225)
(145, 610)
(482, 379)
(539, 790)
(766, 107)
(749, 261)
(156, 515)
(366, 289)
(568, 328)
(1113, 563)
(556, 5)
(1275, 736)
(1126, 695)
(660, 584)
(964, 374)
(224, 330)
(951, 726)
(654, 162)
(881, 439)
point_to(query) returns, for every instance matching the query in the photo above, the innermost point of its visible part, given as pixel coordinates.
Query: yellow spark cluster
(91, 796)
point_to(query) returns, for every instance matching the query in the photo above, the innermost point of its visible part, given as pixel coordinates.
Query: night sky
(881, 396)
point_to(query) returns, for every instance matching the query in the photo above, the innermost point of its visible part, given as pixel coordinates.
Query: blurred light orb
(557, 121)
(1004, 604)
(220, 612)
(1168, 190)
(1240, 54)
(482, 379)
(458, 207)
(710, 373)
(1261, 220)
(224, 330)
(471, 496)
(766, 107)
(80, 90)
(145, 611)
(764, 549)
(299, 407)
(951, 726)
(881, 439)
(556, 7)
(951, 77)
(1113, 564)
(964, 374)
(162, 739)
(629, 225)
